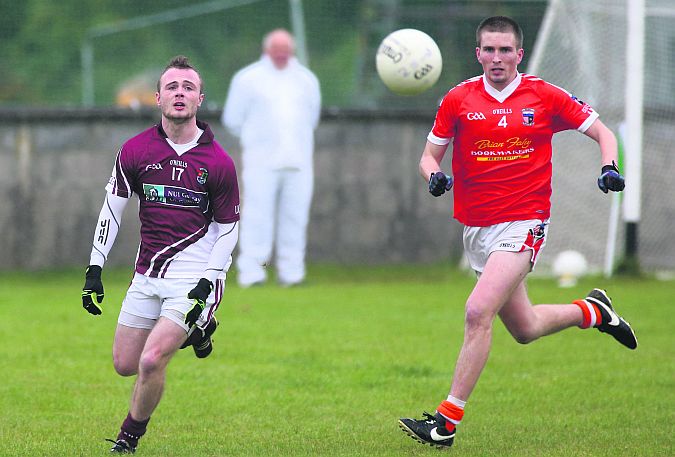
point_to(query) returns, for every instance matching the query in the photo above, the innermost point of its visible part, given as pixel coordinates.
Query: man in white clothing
(273, 107)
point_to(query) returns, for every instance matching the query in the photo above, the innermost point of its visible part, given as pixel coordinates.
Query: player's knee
(124, 367)
(151, 361)
(477, 316)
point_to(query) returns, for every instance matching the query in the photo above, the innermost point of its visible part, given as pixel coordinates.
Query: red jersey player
(501, 124)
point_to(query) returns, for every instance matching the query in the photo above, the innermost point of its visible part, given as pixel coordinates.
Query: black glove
(200, 293)
(92, 286)
(439, 182)
(611, 179)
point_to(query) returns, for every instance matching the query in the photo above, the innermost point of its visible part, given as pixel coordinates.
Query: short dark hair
(501, 24)
(183, 63)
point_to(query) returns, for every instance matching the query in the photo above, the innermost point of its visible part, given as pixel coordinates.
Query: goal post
(635, 58)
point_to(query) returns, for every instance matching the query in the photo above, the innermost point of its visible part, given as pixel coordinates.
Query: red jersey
(501, 156)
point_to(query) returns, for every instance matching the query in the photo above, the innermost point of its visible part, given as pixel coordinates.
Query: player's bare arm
(431, 159)
(430, 169)
(605, 139)
(610, 176)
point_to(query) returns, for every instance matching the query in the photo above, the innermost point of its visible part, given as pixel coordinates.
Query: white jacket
(274, 113)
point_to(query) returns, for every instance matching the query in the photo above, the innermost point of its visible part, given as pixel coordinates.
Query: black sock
(132, 430)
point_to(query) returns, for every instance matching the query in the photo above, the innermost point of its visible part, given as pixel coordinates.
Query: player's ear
(521, 53)
(157, 98)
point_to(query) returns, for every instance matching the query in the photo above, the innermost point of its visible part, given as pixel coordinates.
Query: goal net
(581, 47)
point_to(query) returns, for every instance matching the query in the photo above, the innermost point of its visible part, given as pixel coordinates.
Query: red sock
(452, 413)
(592, 316)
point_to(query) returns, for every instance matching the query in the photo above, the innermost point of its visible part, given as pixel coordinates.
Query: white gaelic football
(568, 266)
(408, 61)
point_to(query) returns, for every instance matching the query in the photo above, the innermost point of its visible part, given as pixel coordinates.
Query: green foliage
(327, 368)
(41, 45)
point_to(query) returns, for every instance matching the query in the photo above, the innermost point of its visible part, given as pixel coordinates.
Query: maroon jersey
(501, 156)
(181, 197)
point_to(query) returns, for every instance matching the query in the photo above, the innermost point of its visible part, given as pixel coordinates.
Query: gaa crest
(528, 116)
(202, 176)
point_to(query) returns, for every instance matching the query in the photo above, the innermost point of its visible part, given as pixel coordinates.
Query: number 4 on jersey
(502, 122)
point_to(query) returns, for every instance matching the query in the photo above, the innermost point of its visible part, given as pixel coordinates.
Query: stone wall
(370, 205)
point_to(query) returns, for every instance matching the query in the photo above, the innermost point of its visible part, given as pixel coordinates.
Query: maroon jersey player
(188, 196)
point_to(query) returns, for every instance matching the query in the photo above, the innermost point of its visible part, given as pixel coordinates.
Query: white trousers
(274, 216)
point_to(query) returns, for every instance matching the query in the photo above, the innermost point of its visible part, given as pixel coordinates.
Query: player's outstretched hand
(439, 182)
(611, 179)
(92, 292)
(199, 294)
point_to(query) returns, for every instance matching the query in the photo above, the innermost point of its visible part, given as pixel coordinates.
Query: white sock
(456, 401)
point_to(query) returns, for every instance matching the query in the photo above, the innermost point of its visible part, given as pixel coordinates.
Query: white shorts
(149, 298)
(517, 236)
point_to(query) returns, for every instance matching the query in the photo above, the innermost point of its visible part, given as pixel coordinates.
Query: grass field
(327, 369)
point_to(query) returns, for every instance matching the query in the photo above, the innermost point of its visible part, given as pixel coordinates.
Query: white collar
(184, 147)
(501, 95)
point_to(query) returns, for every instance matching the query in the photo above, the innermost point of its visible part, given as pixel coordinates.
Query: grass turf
(326, 369)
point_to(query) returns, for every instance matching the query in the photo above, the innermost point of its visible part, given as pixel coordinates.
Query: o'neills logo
(390, 52)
